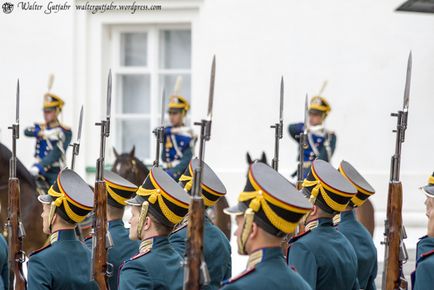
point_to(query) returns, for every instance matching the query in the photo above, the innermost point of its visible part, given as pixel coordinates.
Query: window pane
(175, 49)
(134, 132)
(134, 94)
(134, 49)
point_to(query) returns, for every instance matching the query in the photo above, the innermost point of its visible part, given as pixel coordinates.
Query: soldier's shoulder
(427, 255)
(299, 236)
(238, 281)
(181, 227)
(65, 128)
(41, 251)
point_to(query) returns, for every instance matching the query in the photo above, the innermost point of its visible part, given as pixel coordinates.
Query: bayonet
(407, 82)
(17, 109)
(281, 100)
(302, 145)
(76, 144)
(278, 129)
(211, 89)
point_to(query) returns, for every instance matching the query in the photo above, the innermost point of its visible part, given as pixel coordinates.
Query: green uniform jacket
(123, 249)
(423, 277)
(364, 247)
(159, 267)
(217, 251)
(4, 281)
(64, 264)
(270, 272)
(324, 258)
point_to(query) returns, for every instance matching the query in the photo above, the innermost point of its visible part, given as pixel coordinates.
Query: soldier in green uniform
(65, 262)
(423, 277)
(4, 281)
(268, 209)
(322, 255)
(160, 203)
(118, 191)
(355, 232)
(217, 250)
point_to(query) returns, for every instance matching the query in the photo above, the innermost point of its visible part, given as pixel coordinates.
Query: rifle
(195, 270)
(159, 132)
(15, 227)
(101, 239)
(303, 145)
(75, 151)
(395, 252)
(278, 129)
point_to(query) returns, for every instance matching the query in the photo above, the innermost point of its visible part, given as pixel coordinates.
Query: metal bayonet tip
(17, 106)
(408, 81)
(80, 124)
(211, 88)
(282, 92)
(109, 93)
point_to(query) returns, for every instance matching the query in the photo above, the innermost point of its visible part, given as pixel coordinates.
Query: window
(145, 60)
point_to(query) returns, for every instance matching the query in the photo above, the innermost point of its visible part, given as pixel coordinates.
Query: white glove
(34, 171)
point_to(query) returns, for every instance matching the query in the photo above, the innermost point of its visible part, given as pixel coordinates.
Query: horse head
(130, 167)
(250, 160)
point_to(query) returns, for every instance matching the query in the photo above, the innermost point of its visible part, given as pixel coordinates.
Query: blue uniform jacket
(324, 258)
(324, 143)
(268, 272)
(364, 247)
(177, 150)
(216, 250)
(158, 267)
(423, 277)
(64, 264)
(50, 148)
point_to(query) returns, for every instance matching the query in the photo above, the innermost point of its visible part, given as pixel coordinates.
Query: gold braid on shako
(119, 190)
(327, 188)
(70, 197)
(212, 188)
(161, 196)
(270, 201)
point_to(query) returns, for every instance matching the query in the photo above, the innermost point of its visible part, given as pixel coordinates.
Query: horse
(364, 213)
(31, 208)
(132, 169)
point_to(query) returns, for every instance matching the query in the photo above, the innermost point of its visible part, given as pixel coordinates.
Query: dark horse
(365, 212)
(31, 209)
(131, 168)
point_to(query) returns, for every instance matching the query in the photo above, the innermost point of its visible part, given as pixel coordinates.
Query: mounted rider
(321, 141)
(52, 140)
(178, 138)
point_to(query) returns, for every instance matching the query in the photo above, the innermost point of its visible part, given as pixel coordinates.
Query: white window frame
(153, 69)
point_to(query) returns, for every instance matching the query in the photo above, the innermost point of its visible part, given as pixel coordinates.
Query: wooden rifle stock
(99, 251)
(393, 278)
(194, 244)
(15, 235)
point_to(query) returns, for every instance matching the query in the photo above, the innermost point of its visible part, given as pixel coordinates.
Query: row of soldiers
(149, 255)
